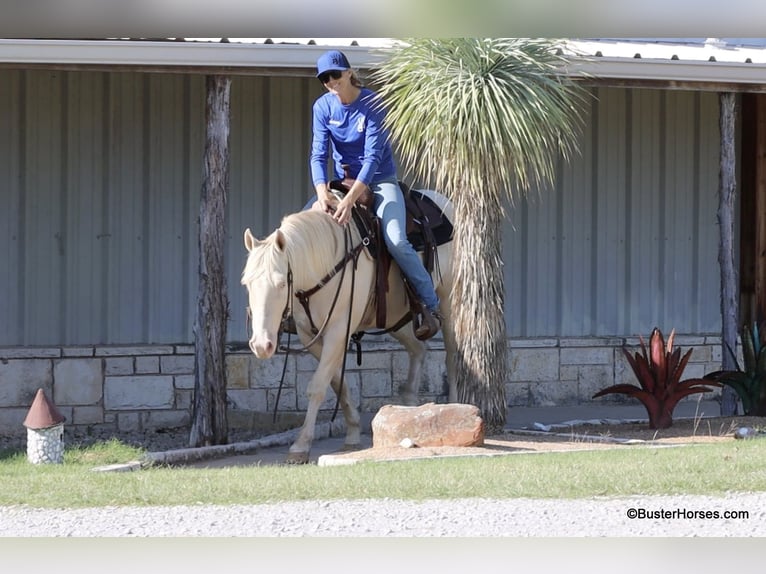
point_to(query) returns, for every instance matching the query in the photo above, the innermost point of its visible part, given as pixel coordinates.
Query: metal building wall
(628, 239)
(100, 176)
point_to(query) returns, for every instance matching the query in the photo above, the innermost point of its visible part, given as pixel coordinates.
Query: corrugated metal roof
(740, 60)
(733, 50)
(702, 63)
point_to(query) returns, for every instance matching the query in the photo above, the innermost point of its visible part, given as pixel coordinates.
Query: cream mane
(311, 241)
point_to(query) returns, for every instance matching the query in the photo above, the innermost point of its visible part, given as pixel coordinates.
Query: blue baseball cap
(332, 60)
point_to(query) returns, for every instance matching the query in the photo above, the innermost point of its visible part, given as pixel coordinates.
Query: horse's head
(266, 278)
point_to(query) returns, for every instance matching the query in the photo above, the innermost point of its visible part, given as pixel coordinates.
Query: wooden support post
(209, 424)
(759, 212)
(729, 283)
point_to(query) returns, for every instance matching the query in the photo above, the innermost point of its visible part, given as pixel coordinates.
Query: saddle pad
(440, 226)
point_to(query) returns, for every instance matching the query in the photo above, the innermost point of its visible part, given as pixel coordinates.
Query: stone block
(303, 362)
(184, 399)
(8, 353)
(237, 371)
(159, 420)
(86, 416)
(702, 354)
(288, 401)
(177, 364)
(249, 400)
(376, 383)
(536, 343)
(77, 381)
(138, 392)
(266, 374)
(517, 394)
(133, 351)
(552, 393)
(451, 424)
(591, 379)
(118, 366)
(534, 364)
(21, 378)
(77, 351)
(128, 422)
(12, 421)
(184, 381)
(370, 360)
(147, 365)
(586, 356)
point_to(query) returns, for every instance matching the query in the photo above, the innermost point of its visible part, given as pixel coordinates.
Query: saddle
(427, 228)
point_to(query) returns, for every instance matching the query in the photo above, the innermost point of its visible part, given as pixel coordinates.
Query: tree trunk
(209, 424)
(477, 307)
(729, 282)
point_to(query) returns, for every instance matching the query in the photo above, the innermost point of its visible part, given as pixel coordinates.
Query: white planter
(45, 445)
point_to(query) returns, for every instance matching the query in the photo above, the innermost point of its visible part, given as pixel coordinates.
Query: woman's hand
(343, 211)
(326, 201)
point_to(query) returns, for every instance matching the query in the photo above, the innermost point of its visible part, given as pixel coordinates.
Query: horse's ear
(280, 237)
(250, 240)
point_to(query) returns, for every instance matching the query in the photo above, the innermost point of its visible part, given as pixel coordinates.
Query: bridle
(303, 296)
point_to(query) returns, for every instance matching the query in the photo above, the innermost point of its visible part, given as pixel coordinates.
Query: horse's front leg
(350, 414)
(329, 365)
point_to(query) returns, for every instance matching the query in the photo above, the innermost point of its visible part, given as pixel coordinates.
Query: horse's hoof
(297, 458)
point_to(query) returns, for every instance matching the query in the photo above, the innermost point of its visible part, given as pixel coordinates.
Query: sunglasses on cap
(334, 74)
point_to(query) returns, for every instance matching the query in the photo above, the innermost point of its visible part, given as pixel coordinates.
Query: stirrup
(429, 324)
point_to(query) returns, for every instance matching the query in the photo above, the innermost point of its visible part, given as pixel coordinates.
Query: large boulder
(431, 424)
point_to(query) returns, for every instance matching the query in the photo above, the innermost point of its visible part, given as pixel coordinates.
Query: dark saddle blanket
(427, 228)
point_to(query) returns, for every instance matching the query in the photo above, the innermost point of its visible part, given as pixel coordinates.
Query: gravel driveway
(663, 516)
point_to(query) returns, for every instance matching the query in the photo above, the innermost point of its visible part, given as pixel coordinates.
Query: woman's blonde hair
(354, 78)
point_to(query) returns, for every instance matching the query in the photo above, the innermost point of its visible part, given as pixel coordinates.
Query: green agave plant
(658, 370)
(749, 383)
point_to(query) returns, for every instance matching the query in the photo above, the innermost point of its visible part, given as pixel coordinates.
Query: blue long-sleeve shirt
(357, 136)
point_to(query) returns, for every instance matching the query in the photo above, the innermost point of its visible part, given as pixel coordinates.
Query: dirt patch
(570, 438)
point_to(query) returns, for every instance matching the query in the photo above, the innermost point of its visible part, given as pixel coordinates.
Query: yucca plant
(749, 383)
(658, 370)
(482, 120)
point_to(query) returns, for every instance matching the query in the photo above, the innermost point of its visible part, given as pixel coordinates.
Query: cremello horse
(300, 255)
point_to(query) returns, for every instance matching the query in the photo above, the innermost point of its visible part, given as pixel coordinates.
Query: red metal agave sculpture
(658, 370)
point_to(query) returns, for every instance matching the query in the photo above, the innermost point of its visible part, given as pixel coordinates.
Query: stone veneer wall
(138, 388)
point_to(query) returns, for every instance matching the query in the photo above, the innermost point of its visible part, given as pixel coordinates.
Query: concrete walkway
(518, 418)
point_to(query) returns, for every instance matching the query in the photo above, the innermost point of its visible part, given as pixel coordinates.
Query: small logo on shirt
(360, 124)
(335, 122)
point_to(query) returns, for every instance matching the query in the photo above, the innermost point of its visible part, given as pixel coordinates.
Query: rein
(303, 297)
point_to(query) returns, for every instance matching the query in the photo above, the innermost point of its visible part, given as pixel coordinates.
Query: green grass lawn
(696, 469)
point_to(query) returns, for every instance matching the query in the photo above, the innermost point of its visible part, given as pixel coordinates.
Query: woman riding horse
(350, 117)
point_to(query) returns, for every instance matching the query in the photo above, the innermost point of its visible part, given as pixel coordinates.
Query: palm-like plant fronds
(749, 382)
(480, 119)
(467, 112)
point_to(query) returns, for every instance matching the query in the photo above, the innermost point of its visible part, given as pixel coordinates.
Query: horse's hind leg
(449, 347)
(350, 414)
(416, 349)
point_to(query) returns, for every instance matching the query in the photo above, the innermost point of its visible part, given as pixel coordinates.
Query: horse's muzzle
(263, 346)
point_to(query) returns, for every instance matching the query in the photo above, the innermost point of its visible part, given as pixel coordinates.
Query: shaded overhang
(703, 65)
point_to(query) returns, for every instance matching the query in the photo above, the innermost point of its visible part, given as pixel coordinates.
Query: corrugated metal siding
(627, 239)
(101, 175)
(270, 142)
(101, 172)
